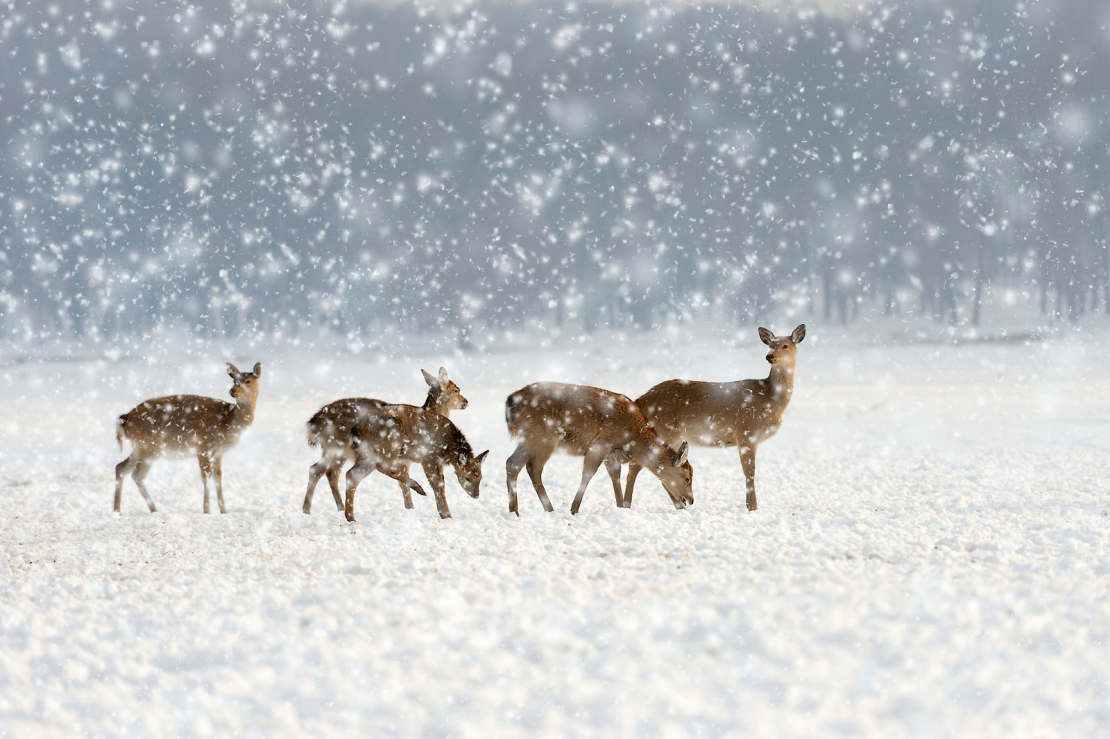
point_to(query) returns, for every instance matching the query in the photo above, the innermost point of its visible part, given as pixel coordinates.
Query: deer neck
(781, 382)
(242, 415)
(650, 453)
(457, 446)
(432, 405)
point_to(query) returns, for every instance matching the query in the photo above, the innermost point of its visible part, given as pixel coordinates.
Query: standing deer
(331, 426)
(743, 414)
(183, 426)
(390, 437)
(596, 424)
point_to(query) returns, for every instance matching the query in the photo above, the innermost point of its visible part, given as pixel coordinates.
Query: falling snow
(603, 193)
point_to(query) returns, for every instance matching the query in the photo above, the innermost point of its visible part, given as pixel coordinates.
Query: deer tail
(512, 413)
(312, 430)
(119, 431)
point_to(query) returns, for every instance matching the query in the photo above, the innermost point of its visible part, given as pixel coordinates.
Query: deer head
(784, 349)
(244, 387)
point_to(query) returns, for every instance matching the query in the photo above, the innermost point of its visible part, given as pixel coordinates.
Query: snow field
(930, 557)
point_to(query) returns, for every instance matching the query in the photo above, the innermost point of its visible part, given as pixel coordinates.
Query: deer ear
(258, 369)
(428, 378)
(680, 458)
(799, 334)
(766, 336)
(443, 375)
(231, 370)
(481, 457)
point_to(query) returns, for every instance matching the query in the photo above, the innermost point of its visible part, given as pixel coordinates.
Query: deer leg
(205, 473)
(329, 465)
(406, 495)
(355, 475)
(405, 488)
(513, 465)
(122, 469)
(613, 467)
(400, 473)
(630, 482)
(435, 478)
(218, 468)
(139, 475)
(415, 487)
(315, 472)
(333, 483)
(535, 472)
(593, 460)
(747, 461)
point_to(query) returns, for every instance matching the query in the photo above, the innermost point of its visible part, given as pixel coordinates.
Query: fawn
(390, 437)
(596, 424)
(743, 414)
(331, 426)
(183, 426)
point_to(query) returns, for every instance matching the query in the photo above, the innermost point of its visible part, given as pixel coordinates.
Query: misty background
(302, 169)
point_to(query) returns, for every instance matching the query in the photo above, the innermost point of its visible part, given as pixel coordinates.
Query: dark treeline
(241, 166)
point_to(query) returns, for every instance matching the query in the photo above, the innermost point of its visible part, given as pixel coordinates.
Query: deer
(331, 426)
(184, 426)
(598, 425)
(389, 438)
(742, 414)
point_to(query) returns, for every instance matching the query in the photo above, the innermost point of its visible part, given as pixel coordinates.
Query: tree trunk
(1106, 277)
(976, 308)
(827, 284)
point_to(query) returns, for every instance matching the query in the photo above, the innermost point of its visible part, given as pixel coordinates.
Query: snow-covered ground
(931, 557)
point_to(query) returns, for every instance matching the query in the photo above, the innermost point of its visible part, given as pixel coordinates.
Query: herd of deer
(545, 417)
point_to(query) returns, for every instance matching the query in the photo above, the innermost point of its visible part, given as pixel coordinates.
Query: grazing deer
(183, 426)
(390, 437)
(592, 423)
(332, 424)
(743, 414)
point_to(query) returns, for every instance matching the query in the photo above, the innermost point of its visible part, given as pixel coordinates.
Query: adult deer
(388, 438)
(183, 426)
(330, 427)
(592, 423)
(743, 414)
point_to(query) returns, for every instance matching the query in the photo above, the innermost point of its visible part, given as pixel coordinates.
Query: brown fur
(743, 414)
(330, 427)
(594, 424)
(183, 426)
(389, 438)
